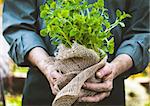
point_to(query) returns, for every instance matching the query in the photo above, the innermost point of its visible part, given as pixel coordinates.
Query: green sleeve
(137, 35)
(19, 28)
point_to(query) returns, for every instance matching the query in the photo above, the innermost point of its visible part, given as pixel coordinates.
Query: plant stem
(88, 13)
(112, 26)
(67, 40)
(82, 13)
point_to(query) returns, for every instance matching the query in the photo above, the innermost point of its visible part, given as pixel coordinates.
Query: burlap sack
(77, 64)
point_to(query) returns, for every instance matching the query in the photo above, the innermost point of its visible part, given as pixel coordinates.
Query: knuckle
(99, 89)
(109, 86)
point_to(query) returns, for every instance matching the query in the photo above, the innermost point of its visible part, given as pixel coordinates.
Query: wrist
(115, 69)
(45, 64)
(121, 63)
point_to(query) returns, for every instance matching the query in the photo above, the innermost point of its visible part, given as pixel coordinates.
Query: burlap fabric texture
(77, 64)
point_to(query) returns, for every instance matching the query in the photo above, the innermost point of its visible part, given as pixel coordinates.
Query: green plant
(76, 20)
(13, 100)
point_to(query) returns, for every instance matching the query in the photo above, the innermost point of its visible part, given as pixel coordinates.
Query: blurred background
(12, 77)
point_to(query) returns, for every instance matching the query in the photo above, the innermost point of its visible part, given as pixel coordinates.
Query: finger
(95, 98)
(51, 80)
(53, 89)
(108, 78)
(56, 88)
(106, 70)
(98, 87)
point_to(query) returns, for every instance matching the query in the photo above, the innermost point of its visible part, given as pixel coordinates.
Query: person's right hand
(51, 73)
(40, 58)
(52, 76)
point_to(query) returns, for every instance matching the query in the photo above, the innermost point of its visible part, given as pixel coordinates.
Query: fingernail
(99, 75)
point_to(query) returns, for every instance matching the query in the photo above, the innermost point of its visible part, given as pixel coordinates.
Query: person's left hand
(104, 88)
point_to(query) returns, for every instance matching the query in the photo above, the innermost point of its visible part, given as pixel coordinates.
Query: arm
(119, 65)
(26, 46)
(39, 57)
(136, 36)
(19, 28)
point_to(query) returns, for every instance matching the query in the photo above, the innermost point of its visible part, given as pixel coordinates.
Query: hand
(53, 76)
(104, 88)
(54, 70)
(47, 66)
(40, 58)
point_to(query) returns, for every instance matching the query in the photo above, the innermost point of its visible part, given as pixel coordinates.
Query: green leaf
(111, 46)
(53, 5)
(118, 13)
(43, 14)
(43, 32)
(49, 2)
(55, 43)
(106, 23)
(42, 7)
(122, 24)
(47, 7)
(89, 29)
(128, 15)
(73, 32)
(101, 3)
(65, 13)
(70, 20)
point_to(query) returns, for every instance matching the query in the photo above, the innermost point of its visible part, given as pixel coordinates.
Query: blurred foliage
(17, 71)
(136, 94)
(13, 100)
(1, 104)
(145, 73)
(14, 68)
(21, 69)
(1, 1)
(148, 103)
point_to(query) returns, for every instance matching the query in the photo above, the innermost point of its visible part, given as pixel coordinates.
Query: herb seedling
(69, 21)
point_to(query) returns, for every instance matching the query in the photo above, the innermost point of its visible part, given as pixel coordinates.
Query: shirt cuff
(133, 49)
(21, 46)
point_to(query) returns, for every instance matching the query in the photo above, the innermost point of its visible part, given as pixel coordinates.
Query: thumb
(106, 70)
